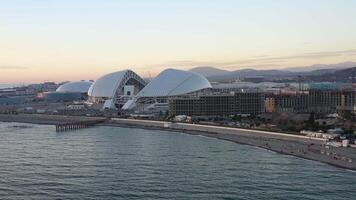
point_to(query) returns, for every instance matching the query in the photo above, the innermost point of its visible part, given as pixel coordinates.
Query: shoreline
(212, 135)
(295, 145)
(300, 149)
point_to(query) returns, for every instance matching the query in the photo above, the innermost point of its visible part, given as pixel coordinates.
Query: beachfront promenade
(219, 130)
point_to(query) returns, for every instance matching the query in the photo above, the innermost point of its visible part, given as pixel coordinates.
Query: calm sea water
(3, 85)
(125, 163)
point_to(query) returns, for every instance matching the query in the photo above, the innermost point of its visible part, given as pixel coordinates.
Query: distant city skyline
(74, 40)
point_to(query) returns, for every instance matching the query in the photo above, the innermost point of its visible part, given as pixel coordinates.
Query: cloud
(316, 55)
(258, 61)
(12, 67)
(261, 56)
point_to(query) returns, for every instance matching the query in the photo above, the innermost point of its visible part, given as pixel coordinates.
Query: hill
(338, 73)
(343, 75)
(209, 71)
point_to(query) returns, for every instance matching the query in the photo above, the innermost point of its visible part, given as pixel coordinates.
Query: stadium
(127, 91)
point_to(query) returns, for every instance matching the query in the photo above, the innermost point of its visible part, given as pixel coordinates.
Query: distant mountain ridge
(343, 75)
(219, 75)
(334, 67)
(208, 71)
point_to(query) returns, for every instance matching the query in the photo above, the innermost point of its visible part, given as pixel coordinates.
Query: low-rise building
(76, 106)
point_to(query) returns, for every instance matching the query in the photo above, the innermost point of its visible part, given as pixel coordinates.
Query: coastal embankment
(296, 145)
(45, 119)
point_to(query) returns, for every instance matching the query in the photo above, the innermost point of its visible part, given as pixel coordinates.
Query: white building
(76, 87)
(114, 89)
(169, 83)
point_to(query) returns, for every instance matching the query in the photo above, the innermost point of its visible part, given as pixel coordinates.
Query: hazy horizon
(148, 75)
(82, 40)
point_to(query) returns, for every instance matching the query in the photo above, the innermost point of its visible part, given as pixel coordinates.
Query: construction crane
(300, 83)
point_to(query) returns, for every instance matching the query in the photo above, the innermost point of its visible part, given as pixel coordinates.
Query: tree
(310, 124)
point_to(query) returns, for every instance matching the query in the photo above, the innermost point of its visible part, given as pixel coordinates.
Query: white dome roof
(76, 86)
(107, 85)
(173, 82)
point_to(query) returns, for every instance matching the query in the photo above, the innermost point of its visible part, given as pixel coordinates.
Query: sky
(61, 40)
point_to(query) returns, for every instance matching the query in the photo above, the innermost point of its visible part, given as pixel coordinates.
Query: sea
(128, 163)
(5, 85)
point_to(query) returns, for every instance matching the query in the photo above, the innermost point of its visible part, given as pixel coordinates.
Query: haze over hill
(342, 75)
(336, 66)
(312, 72)
(208, 71)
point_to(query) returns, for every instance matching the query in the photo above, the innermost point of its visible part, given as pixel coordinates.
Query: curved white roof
(173, 82)
(76, 86)
(107, 85)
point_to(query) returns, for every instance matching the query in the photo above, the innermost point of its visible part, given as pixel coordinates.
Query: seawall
(45, 119)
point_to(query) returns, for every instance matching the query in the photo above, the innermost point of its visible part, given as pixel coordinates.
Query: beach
(296, 145)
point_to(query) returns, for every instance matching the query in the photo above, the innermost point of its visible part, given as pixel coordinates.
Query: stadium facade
(115, 89)
(125, 90)
(168, 84)
(76, 86)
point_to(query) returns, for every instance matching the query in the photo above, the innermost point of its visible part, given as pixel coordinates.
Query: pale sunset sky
(59, 40)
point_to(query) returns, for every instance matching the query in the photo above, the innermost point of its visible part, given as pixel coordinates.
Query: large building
(320, 98)
(298, 102)
(169, 83)
(242, 103)
(61, 96)
(13, 100)
(115, 89)
(76, 86)
(71, 91)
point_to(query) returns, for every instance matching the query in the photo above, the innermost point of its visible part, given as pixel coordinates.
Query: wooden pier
(69, 126)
